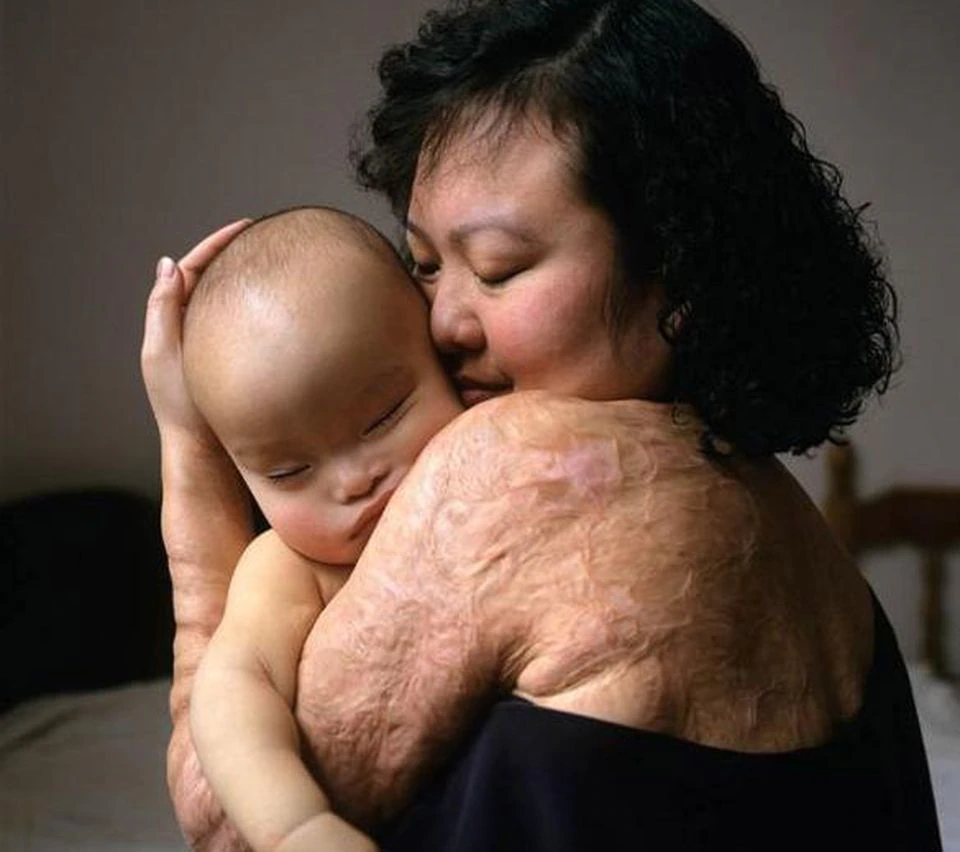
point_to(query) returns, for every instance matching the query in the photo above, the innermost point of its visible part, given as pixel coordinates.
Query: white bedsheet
(938, 706)
(85, 772)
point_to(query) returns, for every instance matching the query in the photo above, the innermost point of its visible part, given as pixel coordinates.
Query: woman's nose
(454, 322)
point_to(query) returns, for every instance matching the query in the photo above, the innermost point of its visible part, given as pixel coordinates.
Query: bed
(86, 634)
(84, 772)
(938, 705)
(86, 676)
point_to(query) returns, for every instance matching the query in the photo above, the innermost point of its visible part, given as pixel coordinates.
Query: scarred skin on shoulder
(590, 558)
(437, 619)
(495, 539)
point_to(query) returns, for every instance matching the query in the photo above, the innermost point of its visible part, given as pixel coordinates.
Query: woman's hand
(161, 356)
(206, 526)
(203, 494)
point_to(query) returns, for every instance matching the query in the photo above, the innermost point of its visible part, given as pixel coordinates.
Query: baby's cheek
(303, 528)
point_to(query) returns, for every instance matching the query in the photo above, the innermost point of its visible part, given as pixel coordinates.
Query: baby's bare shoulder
(270, 569)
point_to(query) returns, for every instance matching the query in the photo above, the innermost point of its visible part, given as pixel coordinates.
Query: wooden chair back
(926, 519)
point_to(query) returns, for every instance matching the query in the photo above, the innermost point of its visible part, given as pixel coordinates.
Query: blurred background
(130, 129)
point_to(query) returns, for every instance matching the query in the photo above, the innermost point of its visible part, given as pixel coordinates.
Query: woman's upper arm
(437, 617)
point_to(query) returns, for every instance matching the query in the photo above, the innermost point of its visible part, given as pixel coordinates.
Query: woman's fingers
(197, 259)
(161, 357)
(161, 330)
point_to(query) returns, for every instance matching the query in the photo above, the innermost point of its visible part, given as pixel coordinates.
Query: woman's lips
(370, 515)
(471, 391)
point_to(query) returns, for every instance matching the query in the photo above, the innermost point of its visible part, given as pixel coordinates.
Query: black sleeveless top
(532, 779)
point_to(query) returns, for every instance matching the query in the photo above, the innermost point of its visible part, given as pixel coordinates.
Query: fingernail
(165, 267)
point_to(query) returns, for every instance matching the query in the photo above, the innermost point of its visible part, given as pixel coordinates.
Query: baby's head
(307, 349)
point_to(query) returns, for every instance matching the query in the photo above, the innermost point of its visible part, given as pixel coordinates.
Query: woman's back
(738, 688)
(704, 599)
(533, 778)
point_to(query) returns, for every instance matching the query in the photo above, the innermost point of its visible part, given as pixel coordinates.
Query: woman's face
(517, 268)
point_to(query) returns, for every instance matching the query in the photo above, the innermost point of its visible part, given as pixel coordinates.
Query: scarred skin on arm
(206, 526)
(488, 519)
(443, 612)
(588, 557)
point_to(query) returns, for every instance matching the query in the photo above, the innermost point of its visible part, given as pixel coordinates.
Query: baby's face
(323, 415)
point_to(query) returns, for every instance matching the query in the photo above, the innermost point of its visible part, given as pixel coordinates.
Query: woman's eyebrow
(492, 222)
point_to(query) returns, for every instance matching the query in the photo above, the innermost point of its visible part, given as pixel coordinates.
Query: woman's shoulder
(536, 433)
(537, 410)
(539, 470)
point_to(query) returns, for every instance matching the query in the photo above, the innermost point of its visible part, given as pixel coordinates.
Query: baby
(307, 350)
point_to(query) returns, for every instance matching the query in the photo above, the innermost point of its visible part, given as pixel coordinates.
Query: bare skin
(619, 478)
(584, 555)
(206, 526)
(319, 379)
(651, 636)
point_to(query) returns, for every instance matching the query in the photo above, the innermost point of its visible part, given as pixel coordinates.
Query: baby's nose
(356, 481)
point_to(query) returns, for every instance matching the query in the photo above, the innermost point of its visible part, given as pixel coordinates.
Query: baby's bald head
(268, 259)
(283, 286)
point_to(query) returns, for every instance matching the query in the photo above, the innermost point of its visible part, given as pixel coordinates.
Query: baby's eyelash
(280, 475)
(392, 414)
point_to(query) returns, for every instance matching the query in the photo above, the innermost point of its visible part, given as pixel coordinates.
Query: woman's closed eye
(495, 278)
(387, 418)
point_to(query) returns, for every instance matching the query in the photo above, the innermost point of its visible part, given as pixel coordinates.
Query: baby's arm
(240, 712)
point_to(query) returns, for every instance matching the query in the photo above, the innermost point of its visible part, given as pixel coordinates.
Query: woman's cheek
(538, 339)
(518, 338)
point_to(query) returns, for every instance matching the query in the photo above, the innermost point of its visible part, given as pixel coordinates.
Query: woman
(613, 621)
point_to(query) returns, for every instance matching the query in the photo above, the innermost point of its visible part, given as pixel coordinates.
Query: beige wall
(130, 128)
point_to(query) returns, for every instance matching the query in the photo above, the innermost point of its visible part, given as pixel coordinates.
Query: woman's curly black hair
(778, 311)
